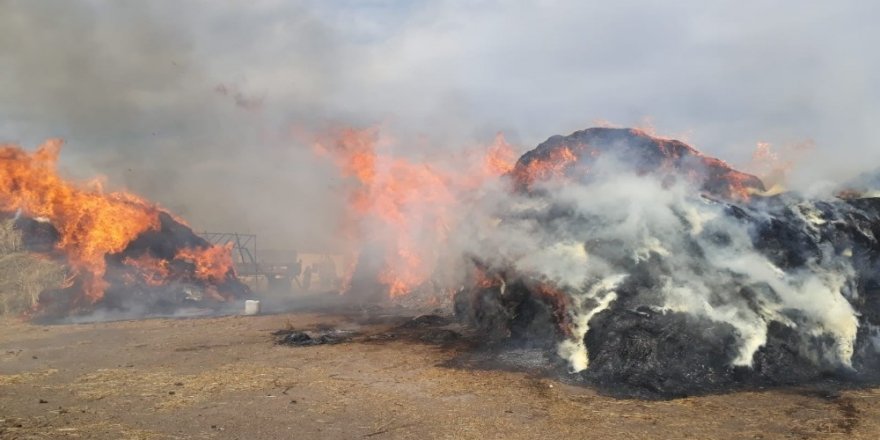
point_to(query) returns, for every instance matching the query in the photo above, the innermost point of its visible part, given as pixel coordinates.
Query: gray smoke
(192, 103)
(171, 101)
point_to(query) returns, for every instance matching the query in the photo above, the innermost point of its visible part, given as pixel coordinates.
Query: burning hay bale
(636, 262)
(123, 253)
(574, 157)
(159, 272)
(650, 269)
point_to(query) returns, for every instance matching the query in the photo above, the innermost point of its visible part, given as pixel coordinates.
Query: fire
(553, 166)
(500, 157)
(95, 227)
(151, 270)
(91, 223)
(573, 158)
(734, 184)
(767, 163)
(213, 264)
(411, 204)
(408, 208)
(560, 302)
(484, 281)
(775, 165)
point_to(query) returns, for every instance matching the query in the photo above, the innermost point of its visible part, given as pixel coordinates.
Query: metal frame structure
(244, 245)
(244, 254)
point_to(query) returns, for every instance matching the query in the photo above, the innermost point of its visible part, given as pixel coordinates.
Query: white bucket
(251, 307)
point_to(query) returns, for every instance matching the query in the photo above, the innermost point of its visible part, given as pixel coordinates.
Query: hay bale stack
(23, 275)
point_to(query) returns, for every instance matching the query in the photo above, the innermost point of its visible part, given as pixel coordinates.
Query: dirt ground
(219, 378)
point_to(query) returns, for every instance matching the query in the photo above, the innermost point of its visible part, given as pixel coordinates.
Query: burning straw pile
(651, 268)
(122, 253)
(636, 262)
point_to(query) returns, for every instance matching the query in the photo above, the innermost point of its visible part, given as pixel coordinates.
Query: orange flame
(560, 305)
(484, 281)
(411, 206)
(414, 203)
(774, 165)
(540, 169)
(91, 223)
(213, 264)
(500, 157)
(152, 271)
(566, 162)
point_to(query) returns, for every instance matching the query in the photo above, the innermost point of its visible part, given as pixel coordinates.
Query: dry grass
(171, 390)
(20, 428)
(23, 275)
(26, 377)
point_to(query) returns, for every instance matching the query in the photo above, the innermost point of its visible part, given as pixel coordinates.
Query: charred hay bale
(669, 355)
(649, 354)
(515, 314)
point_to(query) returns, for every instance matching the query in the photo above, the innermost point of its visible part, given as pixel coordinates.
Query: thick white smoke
(587, 238)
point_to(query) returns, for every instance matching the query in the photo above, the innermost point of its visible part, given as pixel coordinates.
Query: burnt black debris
(430, 329)
(440, 336)
(423, 321)
(426, 329)
(638, 347)
(300, 338)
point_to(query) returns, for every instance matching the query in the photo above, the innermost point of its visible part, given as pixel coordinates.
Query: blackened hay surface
(640, 346)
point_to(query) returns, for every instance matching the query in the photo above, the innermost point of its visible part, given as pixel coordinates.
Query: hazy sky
(191, 102)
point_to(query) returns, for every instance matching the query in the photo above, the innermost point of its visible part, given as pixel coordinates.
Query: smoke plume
(136, 89)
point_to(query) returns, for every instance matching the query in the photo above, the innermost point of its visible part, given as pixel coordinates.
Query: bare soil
(225, 378)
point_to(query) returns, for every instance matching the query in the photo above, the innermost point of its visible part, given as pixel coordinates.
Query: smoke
(210, 109)
(586, 240)
(610, 222)
(179, 107)
(191, 103)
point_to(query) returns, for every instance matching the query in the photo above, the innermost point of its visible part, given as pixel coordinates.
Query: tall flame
(411, 206)
(412, 202)
(91, 223)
